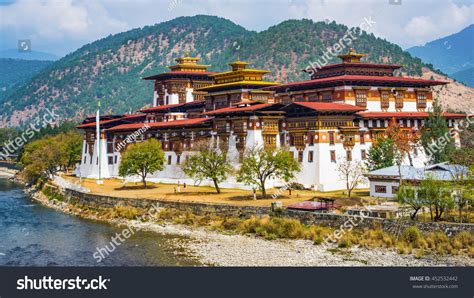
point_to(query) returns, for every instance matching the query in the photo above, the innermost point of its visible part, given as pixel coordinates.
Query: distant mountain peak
(450, 54)
(31, 55)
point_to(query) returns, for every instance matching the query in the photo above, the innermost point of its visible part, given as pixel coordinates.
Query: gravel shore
(217, 249)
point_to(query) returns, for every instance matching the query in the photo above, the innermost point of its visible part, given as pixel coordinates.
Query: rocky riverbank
(218, 249)
(6, 173)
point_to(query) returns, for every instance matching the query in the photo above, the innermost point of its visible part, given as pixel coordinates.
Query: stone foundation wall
(341, 221)
(196, 208)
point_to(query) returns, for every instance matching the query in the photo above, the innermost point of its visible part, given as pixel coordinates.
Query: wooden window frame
(349, 155)
(380, 188)
(333, 155)
(332, 138)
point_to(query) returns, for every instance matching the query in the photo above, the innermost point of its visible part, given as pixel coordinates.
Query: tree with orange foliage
(405, 142)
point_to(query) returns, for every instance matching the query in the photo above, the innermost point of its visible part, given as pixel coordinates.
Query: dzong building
(331, 117)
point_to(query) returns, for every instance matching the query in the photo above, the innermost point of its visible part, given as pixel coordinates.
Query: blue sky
(61, 26)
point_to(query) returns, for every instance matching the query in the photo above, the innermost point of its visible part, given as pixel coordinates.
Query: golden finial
(351, 57)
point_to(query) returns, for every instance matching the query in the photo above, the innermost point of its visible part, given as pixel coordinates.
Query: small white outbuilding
(384, 182)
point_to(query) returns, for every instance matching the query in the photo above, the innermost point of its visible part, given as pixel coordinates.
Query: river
(34, 235)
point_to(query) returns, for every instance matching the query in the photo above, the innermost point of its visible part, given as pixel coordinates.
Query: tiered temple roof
(240, 77)
(186, 67)
(248, 84)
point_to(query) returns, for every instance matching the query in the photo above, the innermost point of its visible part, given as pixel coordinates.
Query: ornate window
(361, 98)
(269, 141)
(399, 100)
(310, 156)
(384, 100)
(421, 100)
(298, 141)
(363, 154)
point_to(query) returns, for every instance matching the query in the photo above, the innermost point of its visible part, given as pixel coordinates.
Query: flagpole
(99, 157)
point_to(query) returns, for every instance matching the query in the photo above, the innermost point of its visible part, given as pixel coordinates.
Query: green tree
(407, 194)
(259, 165)
(381, 154)
(142, 159)
(7, 134)
(42, 158)
(208, 163)
(437, 196)
(71, 146)
(435, 137)
(462, 156)
(463, 177)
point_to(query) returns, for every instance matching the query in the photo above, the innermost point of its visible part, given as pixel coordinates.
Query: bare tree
(352, 172)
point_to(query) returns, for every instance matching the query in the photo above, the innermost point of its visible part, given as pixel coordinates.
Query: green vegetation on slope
(110, 69)
(16, 71)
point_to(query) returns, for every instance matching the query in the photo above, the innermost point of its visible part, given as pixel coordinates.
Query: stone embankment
(332, 220)
(216, 249)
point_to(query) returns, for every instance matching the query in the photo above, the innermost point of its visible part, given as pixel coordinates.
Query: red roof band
(328, 106)
(93, 124)
(251, 108)
(372, 79)
(405, 115)
(187, 122)
(175, 73)
(166, 107)
(357, 64)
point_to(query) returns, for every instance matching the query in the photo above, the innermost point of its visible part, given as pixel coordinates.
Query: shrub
(412, 235)
(376, 238)
(127, 212)
(318, 240)
(344, 243)
(420, 253)
(289, 228)
(465, 238)
(436, 239)
(230, 223)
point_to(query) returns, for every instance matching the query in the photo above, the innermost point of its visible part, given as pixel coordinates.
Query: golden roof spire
(351, 57)
(189, 64)
(238, 65)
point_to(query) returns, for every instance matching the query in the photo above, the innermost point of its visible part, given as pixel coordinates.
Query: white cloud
(439, 22)
(67, 24)
(56, 19)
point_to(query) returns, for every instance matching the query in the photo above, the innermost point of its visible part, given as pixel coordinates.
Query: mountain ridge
(31, 55)
(110, 69)
(450, 54)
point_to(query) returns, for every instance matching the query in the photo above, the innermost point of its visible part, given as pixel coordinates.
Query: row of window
(401, 122)
(363, 155)
(114, 159)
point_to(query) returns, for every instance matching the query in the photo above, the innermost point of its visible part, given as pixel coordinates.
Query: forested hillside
(110, 69)
(17, 71)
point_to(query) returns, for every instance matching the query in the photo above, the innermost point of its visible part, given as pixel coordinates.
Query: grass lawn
(205, 194)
